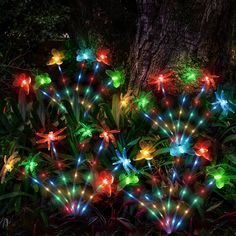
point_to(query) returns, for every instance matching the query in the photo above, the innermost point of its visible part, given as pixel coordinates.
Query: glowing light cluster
(97, 130)
(67, 192)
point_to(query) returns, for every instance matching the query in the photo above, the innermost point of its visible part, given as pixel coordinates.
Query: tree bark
(168, 30)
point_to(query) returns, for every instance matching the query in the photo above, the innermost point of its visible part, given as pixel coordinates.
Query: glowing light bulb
(217, 177)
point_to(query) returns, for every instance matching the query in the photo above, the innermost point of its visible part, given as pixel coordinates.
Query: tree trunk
(168, 30)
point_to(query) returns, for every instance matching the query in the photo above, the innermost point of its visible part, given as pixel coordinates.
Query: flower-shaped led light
(190, 75)
(219, 175)
(23, 81)
(159, 80)
(143, 101)
(8, 165)
(30, 164)
(85, 131)
(124, 161)
(85, 55)
(102, 56)
(202, 149)
(108, 136)
(42, 80)
(51, 137)
(104, 182)
(124, 100)
(146, 152)
(180, 147)
(117, 77)
(127, 180)
(57, 58)
(222, 103)
(209, 81)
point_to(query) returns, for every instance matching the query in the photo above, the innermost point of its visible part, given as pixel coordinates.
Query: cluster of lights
(171, 206)
(74, 198)
(188, 75)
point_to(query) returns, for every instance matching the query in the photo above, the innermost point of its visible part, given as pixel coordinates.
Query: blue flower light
(85, 55)
(180, 146)
(223, 104)
(124, 161)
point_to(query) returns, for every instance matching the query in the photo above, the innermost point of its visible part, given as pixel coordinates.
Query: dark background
(144, 36)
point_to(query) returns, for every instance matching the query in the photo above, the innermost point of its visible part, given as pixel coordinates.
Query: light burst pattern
(71, 193)
(173, 198)
(179, 126)
(172, 205)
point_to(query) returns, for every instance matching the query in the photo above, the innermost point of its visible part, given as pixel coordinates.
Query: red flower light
(50, 137)
(104, 182)
(23, 81)
(108, 136)
(102, 56)
(202, 149)
(159, 79)
(209, 81)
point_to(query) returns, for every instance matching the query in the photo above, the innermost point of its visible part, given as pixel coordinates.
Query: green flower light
(30, 164)
(42, 80)
(117, 77)
(127, 180)
(219, 175)
(190, 75)
(85, 131)
(143, 100)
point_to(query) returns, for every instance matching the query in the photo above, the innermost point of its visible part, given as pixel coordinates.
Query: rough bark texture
(168, 30)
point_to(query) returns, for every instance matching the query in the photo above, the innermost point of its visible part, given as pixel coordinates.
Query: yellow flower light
(146, 152)
(57, 58)
(8, 165)
(124, 100)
